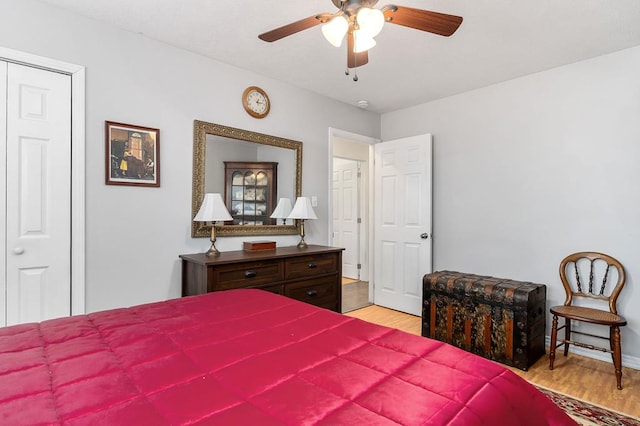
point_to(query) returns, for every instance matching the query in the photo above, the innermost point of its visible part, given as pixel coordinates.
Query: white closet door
(38, 228)
(3, 185)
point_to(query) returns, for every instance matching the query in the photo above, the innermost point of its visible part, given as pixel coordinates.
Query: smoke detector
(363, 104)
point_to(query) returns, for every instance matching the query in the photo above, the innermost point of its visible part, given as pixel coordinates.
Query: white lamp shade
(335, 30)
(302, 209)
(282, 210)
(362, 41)
(212, 209)
(370, 21)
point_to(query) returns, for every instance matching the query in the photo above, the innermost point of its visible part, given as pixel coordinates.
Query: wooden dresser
(312, 274)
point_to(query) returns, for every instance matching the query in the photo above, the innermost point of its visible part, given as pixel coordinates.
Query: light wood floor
(581, 377)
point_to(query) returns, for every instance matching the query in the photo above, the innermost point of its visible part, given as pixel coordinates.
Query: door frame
(77, 74)
(335, 134)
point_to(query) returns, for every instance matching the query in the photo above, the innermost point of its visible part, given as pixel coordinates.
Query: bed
(250, 357)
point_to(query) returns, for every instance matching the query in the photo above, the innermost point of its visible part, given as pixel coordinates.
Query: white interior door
(402, 221)
(38, 194)
(3, 185)
(346, 214)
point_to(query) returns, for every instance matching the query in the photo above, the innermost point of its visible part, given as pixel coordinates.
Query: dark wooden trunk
(499, 319)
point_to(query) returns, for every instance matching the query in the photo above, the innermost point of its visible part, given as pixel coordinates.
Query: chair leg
(567, 335)
(611, 343)
(617, 354)
(552, 344)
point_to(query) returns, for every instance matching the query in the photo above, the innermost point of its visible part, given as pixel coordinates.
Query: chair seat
(581, 313)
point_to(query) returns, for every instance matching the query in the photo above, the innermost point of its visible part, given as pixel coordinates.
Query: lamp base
(302, 243)
(213, 251)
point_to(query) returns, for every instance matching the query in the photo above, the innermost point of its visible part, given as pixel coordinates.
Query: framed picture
(132, 155)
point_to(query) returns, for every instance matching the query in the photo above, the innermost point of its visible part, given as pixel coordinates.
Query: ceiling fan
(360, 23)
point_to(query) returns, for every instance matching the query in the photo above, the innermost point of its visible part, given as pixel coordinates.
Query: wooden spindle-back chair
(595, 276)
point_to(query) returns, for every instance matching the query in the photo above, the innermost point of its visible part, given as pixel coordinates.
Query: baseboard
(627, 361)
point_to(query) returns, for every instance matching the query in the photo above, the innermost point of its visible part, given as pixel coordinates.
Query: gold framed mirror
(214, 144)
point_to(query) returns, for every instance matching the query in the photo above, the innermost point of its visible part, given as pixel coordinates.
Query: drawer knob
(250, 274)
(312, 293)
(312, 265)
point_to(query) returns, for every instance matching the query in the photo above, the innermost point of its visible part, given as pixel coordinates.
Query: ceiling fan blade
(292, 28)
(355, 59)
(424, 20)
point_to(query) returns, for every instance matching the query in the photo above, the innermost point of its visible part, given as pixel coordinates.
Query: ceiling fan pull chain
(355, 59)
(355, 73)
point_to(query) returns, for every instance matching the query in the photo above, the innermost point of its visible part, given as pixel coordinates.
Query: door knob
(424, 236)
(18, 250)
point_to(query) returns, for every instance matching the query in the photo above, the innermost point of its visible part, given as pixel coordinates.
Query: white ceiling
(497, 41)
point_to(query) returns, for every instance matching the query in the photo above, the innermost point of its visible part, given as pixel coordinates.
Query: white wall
(134, 235)
(530, 170)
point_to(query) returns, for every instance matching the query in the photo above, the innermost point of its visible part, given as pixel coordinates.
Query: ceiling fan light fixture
(362, 41)
(360, 22)
(335, 30)
(370, 21)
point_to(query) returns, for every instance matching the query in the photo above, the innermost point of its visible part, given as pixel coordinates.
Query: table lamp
(212, 210)
(302, 211)
(282, 210)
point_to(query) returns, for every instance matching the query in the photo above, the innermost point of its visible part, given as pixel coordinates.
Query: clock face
(256, 102)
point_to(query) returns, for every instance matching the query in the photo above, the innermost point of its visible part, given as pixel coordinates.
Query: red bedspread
(248, 357)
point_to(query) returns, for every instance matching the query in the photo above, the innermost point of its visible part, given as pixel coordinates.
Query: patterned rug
(588, 414)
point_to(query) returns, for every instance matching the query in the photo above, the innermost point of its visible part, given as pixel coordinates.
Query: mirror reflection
(252, 171)
(251, 177)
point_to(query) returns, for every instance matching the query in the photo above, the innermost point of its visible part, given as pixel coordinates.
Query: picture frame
(132, 155)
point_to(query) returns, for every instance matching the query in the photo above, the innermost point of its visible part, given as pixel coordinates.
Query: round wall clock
(256, 102)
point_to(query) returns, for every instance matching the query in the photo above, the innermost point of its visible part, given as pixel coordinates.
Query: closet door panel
(3, 185)
(38, 194)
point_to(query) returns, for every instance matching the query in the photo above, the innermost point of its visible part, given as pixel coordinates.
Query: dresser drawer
(248, 274)
(311, 274)
(319, 291)
(309, 266)
(277, 289)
